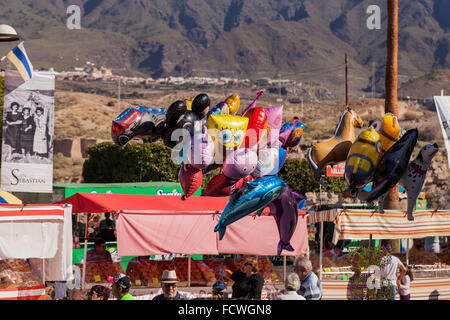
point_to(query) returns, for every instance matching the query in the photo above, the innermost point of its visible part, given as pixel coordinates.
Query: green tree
(299, 176)
(135, 162)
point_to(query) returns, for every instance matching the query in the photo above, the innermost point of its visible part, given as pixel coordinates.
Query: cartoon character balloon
(227, 132)
(362, 160)
(136, 122)
(240, 163)
(389, 130)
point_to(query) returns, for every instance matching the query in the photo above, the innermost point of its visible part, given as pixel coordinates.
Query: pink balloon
(240, 163)
(190, 179)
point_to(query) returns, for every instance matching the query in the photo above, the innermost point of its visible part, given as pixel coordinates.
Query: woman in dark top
(12, 132)
(27, 132)
(248, 283)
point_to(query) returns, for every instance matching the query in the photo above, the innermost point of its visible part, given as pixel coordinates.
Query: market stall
(41, 234)
(370, 225)
(161, 225)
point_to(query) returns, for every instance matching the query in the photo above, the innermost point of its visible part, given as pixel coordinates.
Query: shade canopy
(393, 224)
(148, 224)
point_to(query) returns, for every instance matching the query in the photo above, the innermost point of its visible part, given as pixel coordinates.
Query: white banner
(28, 126)
(443, 110)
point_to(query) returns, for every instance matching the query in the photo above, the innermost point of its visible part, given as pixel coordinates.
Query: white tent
(40, 233)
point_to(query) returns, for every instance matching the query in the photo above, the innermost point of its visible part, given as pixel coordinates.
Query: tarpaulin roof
(149, 224)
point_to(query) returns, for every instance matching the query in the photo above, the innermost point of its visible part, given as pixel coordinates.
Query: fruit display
(99, 271)
(17, 273)
(145, 272)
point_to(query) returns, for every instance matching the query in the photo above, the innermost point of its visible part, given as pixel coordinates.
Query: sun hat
(219, 285)
(169, 276)
(120, 280)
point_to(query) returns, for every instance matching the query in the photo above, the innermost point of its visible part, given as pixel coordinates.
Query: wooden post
(346, 80)
(284, 268)
(391, 102)
(370, 241)
(189, 270)
(321, 238)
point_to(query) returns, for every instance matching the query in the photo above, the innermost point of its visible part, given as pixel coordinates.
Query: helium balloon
(221, 186)
(389, 130)
(188, 103)
(284, 210)
(202, 149)
(240, 163)
(295, 134)
(267, 161)
(362, 160)
(136, 122)
(233, 102)
(274, 120)
(256, 195)
(217, 109)
(200, 105)
(175, 112)
(392, 166)
(256, 126)
(414, 177)
(227, 132)
(253, 104)
(187, 122)
(190, 179)
(334, 149)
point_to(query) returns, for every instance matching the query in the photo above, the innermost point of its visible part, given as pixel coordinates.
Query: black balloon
(200, 103)
(392, 166)
(174, 112)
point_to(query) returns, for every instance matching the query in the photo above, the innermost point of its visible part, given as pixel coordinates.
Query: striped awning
(360, 224)
(324, 215)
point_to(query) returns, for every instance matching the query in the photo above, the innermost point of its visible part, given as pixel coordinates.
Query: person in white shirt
(403, 284)
(292, 285)
(392, 264)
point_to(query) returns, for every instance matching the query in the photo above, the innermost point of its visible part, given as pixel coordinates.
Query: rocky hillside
(242, 38)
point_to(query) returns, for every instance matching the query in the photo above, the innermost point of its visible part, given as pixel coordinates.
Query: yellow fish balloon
(226, 131)
(362, 160)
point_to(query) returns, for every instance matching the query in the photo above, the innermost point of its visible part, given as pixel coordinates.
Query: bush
(299, 176)
(135, 162)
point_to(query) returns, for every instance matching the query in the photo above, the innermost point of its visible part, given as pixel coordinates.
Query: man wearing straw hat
(169, 283)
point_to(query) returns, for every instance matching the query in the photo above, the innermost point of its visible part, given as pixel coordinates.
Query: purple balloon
(201, 154)
(285, 211)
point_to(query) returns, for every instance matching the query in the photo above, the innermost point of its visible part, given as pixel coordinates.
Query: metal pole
(370, 241)
(189, 270)
(284, 268)
(85, 254)
(407, 252)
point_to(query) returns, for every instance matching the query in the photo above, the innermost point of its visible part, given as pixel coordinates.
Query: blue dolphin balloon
(255, 196)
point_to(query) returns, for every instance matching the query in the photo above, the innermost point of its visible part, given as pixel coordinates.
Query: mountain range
(304, 40)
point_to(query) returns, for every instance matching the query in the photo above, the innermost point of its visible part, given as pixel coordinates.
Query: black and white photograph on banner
(28, 126)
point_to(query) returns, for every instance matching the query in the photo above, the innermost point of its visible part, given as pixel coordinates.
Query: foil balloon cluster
(381, 155)
(248, 147)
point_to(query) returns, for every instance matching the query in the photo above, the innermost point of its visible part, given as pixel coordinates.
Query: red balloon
(221, 186)
(190, 179)
(257, 122)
